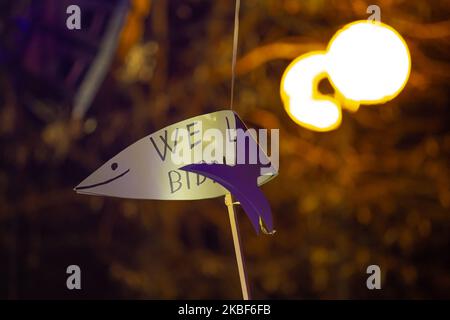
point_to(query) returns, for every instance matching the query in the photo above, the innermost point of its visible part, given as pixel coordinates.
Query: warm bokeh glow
(304, 104)
(368, 62)
(375, 191)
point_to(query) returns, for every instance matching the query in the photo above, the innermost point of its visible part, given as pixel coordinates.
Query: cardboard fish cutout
(147, 169)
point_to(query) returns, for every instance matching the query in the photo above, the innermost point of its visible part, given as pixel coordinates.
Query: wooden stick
(237, 247)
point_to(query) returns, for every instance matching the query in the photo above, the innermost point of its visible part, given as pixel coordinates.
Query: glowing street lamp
(303, 102)
(366, 62)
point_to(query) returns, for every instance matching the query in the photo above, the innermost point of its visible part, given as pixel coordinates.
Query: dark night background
(374, 191)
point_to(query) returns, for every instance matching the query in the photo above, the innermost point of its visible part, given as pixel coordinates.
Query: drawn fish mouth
(102, 183)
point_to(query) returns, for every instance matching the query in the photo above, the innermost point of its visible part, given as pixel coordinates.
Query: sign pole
(237, 247)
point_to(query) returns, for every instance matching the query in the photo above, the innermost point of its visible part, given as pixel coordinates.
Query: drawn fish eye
(114, 166)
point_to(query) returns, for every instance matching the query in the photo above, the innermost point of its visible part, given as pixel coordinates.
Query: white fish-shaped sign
(147, 170)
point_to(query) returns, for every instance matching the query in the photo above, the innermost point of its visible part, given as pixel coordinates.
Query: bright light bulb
(368, 62)
(302, 101)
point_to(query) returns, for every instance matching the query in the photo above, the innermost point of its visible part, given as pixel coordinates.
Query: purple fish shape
(241, 181)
